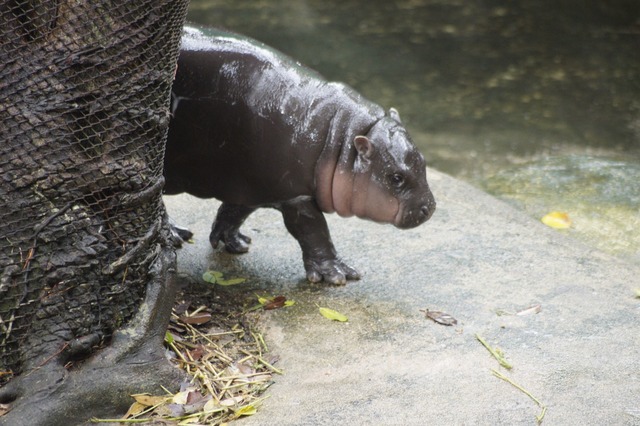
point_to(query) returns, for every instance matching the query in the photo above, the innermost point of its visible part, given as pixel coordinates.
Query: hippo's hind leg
(226, 228)
(307, 224)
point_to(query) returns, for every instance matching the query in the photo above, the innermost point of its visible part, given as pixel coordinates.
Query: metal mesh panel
(84, 89)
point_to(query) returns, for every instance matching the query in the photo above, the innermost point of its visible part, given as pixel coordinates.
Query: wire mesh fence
(84, 108)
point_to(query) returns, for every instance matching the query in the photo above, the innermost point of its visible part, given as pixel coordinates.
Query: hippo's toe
(333, 271)
(234, 241)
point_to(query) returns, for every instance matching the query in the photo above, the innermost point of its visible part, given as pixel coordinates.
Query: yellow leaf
(211, 405)
(289, 302)
(135, 409)
(149, 400)
(247, 410)
(637, 293)
(181, 397)
(332, 315)
(557, 220)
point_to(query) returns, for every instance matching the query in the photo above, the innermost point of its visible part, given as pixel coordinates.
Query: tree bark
(85, 246)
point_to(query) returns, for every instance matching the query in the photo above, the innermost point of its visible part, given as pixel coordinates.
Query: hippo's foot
(333, 271)
(226, 228)
(234, 241)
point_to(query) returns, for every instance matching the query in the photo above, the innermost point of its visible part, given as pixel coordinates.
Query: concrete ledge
(580, 356)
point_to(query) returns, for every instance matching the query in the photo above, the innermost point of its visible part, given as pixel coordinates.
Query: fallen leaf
(247, 410)
(197, 353)
(557, 220)
(231, 281)
(211, 405)
(534, 309)
(212, 276)
(332, 315)
(149, 400)
(637, 293)
(196, 402)
(229, 402)
(199, 318)
(175, 410)
(181, 397)
(168, 337)
(135, 409)
(440, 317)
(275, 303)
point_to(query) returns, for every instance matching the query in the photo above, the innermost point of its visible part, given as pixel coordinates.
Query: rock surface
(580, 356)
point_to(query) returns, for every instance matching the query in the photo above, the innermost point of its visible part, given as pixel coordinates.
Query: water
(538, 103)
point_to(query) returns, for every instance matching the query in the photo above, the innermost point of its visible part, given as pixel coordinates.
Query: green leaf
(231, 281)
(212, 276)
(168, 337)
(332, 315)
(289, 303)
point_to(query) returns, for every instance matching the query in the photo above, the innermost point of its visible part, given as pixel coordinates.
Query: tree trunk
(85, 253)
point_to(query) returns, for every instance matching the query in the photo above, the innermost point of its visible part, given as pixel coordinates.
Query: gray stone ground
(580, 356)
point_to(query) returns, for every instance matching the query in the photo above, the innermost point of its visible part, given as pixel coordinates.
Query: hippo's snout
(412, 217)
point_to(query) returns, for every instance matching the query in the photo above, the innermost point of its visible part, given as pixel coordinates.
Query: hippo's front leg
(307, 224)
(226, 228)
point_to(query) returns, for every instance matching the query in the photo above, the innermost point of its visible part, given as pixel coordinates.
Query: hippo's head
(388, 182)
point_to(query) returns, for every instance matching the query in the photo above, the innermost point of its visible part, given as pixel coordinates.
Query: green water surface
(535, 102)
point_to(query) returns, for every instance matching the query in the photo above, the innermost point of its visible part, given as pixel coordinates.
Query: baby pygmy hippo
(253, 128)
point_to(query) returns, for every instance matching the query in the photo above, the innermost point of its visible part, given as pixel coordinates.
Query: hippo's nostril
(426, 211)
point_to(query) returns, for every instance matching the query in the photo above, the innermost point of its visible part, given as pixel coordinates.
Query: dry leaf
(197, 353)
(181, 397)
(230, 402)
(275, 303)
(199, 318)
(557, 220)
(534, 309)
(440, 317)
(332, 315)
(135, 409)
(149, 400)
(247, 410)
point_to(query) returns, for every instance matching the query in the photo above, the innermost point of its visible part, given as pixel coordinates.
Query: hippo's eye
(396, 179)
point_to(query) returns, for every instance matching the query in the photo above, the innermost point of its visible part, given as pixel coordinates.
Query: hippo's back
(249, 123)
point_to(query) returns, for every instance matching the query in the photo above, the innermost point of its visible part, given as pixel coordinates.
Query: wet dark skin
(255, 129)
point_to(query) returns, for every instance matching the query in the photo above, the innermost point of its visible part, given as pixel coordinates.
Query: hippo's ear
(363, 146)
(393, 113)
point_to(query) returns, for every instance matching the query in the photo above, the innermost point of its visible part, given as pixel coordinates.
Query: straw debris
(226, 361)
